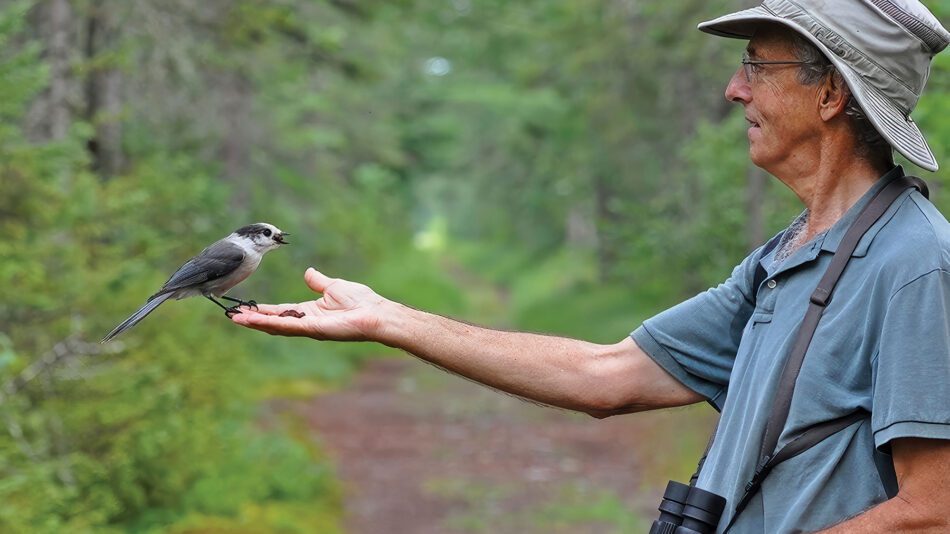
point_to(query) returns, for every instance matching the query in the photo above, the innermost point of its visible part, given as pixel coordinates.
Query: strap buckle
(821, 297)
(760, 471)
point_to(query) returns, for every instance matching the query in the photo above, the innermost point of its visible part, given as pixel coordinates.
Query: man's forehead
(770, 38)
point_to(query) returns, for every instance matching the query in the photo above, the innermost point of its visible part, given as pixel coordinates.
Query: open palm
(347, 311)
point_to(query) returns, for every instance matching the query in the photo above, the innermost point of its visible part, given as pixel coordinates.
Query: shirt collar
(835, 234)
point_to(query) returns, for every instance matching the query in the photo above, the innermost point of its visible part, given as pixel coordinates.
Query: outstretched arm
(600, 380)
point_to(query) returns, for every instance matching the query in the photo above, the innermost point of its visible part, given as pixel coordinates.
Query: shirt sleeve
(697, 341)
(911, 371)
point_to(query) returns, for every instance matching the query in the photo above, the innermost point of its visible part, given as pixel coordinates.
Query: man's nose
(739, 90)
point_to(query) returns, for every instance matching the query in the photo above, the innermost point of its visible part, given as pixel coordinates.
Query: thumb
(317, 280)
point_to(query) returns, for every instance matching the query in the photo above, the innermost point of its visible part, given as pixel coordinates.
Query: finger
(269, 309)
(317, 280)
(272, 324)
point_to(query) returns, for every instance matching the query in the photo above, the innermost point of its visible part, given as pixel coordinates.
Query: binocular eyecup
(688, 510)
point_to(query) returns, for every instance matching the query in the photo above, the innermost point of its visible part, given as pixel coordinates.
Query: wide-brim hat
(882, 48)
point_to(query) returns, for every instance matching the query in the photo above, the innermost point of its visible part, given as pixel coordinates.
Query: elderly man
(827, 89)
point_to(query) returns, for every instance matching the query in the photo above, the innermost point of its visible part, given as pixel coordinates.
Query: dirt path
(419, 451)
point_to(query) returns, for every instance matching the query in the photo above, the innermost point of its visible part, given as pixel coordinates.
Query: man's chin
(757, 158)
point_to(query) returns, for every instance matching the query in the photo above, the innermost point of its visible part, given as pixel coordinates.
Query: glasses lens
(746, 67)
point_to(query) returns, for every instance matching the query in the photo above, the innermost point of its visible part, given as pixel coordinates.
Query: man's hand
(347, 311)
(921, 504)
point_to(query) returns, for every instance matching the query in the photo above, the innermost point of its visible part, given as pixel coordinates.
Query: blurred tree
(575, 147)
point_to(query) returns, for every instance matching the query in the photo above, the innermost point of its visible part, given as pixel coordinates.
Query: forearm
(597, 379)
(895, 515)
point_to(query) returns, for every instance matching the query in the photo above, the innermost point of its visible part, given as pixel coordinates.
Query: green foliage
(573, 170)
(560, 294)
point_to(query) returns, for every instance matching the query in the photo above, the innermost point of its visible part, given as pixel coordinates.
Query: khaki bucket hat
(883, 48)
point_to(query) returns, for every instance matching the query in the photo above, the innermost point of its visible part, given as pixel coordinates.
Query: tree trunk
(58, 57)
(755, 196)
(49, 115)
(109, 123)
(581, 230)
(235, 144)
(607, 220)
(103, 94)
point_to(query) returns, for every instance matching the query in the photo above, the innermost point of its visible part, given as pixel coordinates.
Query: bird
(214, 271)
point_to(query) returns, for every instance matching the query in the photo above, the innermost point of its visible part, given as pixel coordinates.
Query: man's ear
(833, 96)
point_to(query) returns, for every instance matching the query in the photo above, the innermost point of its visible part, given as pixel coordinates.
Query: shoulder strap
(768, 456)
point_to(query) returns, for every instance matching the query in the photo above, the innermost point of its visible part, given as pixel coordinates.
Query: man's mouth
(752, 123)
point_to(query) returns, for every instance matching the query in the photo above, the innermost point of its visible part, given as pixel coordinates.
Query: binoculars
(688, 510)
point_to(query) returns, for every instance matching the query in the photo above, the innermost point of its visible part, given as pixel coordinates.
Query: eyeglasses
(751, 67)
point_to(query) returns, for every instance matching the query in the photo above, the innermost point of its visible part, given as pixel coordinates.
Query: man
(827, 89)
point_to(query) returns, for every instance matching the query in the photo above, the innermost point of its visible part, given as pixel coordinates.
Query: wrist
(394, 328)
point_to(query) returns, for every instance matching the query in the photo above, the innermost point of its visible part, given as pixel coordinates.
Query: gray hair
(816, 67)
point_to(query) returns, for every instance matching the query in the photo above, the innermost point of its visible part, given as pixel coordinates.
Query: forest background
(578, 156)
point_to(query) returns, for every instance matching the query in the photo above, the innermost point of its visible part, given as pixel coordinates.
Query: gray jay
(214, 271)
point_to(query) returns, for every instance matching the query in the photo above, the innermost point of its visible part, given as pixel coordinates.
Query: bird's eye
(267, 233)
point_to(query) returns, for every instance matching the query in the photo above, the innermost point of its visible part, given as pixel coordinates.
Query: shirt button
(771, 283)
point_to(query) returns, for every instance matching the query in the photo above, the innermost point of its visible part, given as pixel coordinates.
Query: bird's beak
(280, 238)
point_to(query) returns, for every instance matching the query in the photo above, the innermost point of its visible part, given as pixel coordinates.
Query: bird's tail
(137, 316)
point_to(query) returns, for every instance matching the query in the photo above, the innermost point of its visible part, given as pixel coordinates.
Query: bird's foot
(248, 303)
(232, 311)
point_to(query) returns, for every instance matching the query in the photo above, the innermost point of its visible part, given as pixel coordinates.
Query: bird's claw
(231, 312)
(239, 303)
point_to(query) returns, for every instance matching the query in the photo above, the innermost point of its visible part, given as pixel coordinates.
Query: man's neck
(829, 188)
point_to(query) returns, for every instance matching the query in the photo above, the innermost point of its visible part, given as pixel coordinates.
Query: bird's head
(262, 236)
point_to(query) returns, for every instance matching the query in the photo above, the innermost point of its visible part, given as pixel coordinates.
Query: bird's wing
(221, 258)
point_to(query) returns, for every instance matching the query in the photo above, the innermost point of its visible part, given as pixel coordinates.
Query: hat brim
(900, 131)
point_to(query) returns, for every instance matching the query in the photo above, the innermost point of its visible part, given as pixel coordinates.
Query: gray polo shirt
(883, 345)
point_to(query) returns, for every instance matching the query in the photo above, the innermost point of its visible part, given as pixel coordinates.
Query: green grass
(579, 505)
(570, 508)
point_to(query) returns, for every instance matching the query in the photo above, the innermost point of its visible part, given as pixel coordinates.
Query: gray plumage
(214, 271)
(199, 273)
(152, 303)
